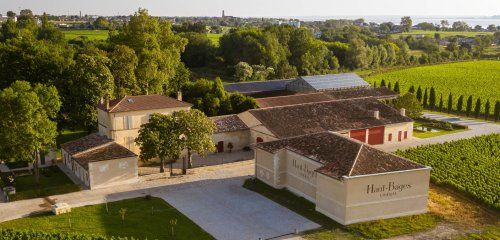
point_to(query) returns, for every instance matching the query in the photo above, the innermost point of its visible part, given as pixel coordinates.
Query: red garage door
(359, 134)
(376, 135)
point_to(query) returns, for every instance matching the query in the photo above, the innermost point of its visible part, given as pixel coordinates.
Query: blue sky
(261, 8)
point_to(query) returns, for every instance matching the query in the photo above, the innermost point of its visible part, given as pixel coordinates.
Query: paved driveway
(476, 128)
(228, 211)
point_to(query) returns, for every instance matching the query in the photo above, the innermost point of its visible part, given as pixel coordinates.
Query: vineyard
(480, 79)
(470, 165)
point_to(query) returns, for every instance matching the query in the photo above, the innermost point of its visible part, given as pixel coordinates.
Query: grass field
(476, 78)
(214, 37)
(52, 182)
(443, 34)
(90, 34)
(469, 165)
(144, 219)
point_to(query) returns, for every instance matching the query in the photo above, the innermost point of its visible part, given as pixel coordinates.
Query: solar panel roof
(253, 87)
(335, 81)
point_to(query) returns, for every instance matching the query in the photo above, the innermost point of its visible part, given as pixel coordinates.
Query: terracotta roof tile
(143, 102)
(341, 156)
(85, 143)
(228, 123)
(105, 152)
(337, 115)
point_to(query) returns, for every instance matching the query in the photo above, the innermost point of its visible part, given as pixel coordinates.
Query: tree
(409, 102)
(477, 109)
(382, 83)
(27, 126)
(157, 48)
(49, 32)
(200, 50)
(389, 85)
(412, 89)
(496, 114)
(159, 138)
(450, 102)
(491, 28)
(357, 54)
(432, 98)
(460, 103)
(406, 23)
(441, 102)
(196, 132)
(101, 23)
(396, 87)
(123, 62)
(460, 26)
(243, 71)
(468, 107)
(90, 82)
(487, 107)
(11, 14)
(424, 102)
(419, 94)
(182, 76)
(444, 25)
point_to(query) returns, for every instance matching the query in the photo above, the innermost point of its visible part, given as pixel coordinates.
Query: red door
(220, 146)
(399, 136)
(376, 135)
(259, 140)
(359, 135)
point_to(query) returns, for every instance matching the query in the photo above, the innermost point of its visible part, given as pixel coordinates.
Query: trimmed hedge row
(11, 234)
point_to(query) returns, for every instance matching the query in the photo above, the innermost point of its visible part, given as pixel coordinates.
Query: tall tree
(27, 125)
(195, 133)
(450, 102)
(409, 102)
(90, 82)
(477, 108)
(396, 87)
(426, 97)
(496, 113)
(406, 23)
(123, 62)
(382, 83)
(412, 89)
(468, 107)
(159, 138)
(440, 102)
(432, 98)
(487, 109)
(157, 47)
(460, 104)
(419, 94)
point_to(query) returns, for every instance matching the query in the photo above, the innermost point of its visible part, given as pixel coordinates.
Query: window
(128, 122)
(406, 134)
(390, 137)
(259, 140)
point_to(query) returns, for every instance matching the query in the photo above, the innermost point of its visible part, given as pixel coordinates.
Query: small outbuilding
(349, 181)
(231, 133)
(100, 162)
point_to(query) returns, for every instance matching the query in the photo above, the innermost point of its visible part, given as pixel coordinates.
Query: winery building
(349, 181)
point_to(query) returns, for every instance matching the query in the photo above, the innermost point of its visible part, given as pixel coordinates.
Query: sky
(260, 8)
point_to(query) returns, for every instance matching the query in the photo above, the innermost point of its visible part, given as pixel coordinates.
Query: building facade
(348, 181)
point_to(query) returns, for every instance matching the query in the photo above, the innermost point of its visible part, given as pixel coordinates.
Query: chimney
(179, 95)
(402, 111)
(376, 114)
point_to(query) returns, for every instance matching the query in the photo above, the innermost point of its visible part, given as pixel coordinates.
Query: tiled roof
(143, 102)
(378, 93)
(254, 87)
(105, 152)
(228, 123)
(85, 143)
(338, 115)
(94, 148)
(341, 156)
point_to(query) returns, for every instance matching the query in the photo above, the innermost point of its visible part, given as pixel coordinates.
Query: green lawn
(214, 37)
(422, 134)
(90, 34)
(143, 219)
(52, 182)
(476, 78)
(491, 233)
(443, 34)
(333, 230)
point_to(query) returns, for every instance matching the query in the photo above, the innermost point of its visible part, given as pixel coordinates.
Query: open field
(476, 78)
(90, 34)
(443, 34)
(52, 182)
(469, 165)
(214, 37)
(143, 219)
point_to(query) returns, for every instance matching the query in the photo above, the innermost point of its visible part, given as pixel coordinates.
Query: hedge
(11, 234)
